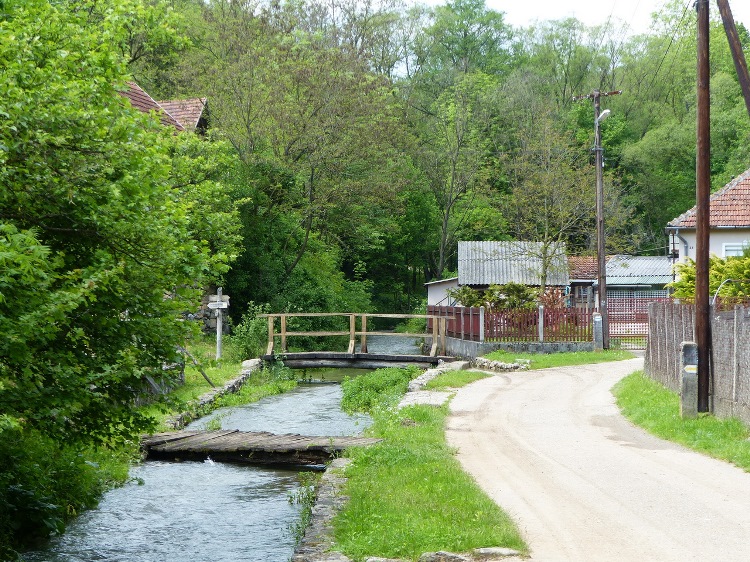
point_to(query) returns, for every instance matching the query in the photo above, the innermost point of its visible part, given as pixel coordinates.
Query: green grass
(657, 409)
(546, 360)
(454, 379)
(408, 494)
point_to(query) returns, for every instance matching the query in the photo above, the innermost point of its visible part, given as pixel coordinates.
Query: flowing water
(215, 512)
(206, 511)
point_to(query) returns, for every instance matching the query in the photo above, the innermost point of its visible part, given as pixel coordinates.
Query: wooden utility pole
(600, 241)
(737, 54)
(702, 195)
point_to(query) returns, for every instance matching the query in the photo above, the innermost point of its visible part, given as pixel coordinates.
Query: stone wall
(672, 323)
(471, 349)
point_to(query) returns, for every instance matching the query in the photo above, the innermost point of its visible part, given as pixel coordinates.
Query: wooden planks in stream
(260, 448)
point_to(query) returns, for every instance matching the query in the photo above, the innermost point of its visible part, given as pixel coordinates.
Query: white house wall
(717, 241)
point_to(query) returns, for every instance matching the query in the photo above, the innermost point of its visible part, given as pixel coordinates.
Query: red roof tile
(140, 100)
(186, 112)
(729, 207)
(583, 267)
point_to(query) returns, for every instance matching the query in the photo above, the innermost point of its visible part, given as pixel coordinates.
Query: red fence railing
(557, 325)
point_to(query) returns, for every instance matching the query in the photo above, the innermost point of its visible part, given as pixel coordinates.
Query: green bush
(250, 336)
(43, 484)
(379, 388)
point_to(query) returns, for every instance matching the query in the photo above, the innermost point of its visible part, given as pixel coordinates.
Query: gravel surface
(583, 483)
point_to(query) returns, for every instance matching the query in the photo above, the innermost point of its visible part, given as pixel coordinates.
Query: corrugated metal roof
(639, 270)
(487, 263)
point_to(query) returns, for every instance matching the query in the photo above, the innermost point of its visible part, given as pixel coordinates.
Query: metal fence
(628, 317)
(536, 325)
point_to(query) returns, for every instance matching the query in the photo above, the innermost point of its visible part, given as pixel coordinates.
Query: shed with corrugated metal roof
(485, 263)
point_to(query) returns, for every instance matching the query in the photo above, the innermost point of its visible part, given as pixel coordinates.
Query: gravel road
(584, 484)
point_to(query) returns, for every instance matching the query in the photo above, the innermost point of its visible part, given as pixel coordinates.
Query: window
(735, 249)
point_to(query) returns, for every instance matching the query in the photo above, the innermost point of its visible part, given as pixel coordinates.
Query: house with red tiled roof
(141, 101)
(729, 223)
(191, 113)
(584, 274)
(183, 115)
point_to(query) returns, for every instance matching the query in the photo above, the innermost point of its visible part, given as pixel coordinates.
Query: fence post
(283, 333)
(598, 332)
(443, 324)
(689, 380)
(481, 324)
(352, 332)
(541, 323)
(269, 348)
(363, 345)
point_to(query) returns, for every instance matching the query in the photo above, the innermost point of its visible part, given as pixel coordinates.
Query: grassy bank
(655, 408)
(546, 360)
(408, 494)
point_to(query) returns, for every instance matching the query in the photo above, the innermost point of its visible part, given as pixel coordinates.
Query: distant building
(481, 264)
(729, 223)
(183, 115)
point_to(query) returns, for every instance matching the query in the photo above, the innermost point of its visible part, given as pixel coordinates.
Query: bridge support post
(283, 333)
(269, 348)
(363, 346)
(352, 333)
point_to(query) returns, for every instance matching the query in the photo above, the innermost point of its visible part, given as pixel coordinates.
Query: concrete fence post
(689, 380)
(481, 324)
(598, 332)
(541, 323)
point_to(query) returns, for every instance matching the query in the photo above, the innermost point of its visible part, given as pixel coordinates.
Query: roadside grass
(409, 495)
(546, 360)
(651, 406)
(455, 379)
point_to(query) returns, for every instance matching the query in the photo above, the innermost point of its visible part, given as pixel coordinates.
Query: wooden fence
(538, 325)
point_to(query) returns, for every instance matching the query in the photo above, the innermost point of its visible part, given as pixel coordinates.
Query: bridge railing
(437, 323)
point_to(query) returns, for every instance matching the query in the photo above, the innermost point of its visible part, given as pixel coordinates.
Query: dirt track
(583, 484)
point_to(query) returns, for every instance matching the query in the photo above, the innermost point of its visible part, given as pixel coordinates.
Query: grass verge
(409, 495)
(455, 379)
(651, 406)
(546, 360)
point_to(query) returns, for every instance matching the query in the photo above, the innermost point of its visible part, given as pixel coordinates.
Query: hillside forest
(351, 145)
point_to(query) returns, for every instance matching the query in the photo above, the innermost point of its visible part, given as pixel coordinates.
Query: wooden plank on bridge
(251, 447)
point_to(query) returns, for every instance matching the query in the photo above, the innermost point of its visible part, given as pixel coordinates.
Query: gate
(627, 312)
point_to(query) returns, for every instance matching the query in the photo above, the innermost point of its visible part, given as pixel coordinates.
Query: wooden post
(283, 333)
(740, 64)
(269, 348)
(435, 334)
(363, 347)
(443, 324)
(702, 195)
(352, 332)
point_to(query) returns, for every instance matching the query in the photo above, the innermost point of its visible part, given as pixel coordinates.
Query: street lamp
(600, 248)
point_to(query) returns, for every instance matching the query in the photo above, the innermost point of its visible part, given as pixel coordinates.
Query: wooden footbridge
(259, 448)
(358, 329)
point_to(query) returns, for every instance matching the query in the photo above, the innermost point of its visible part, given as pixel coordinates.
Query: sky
(636, 13)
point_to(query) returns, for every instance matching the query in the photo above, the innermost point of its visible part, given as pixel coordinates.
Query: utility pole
(601, 254)
(702, 196)
(735, 45)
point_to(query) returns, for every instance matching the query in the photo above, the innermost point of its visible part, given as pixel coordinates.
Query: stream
(210, 511)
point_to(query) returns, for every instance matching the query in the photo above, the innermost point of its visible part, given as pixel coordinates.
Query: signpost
(218, 302)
